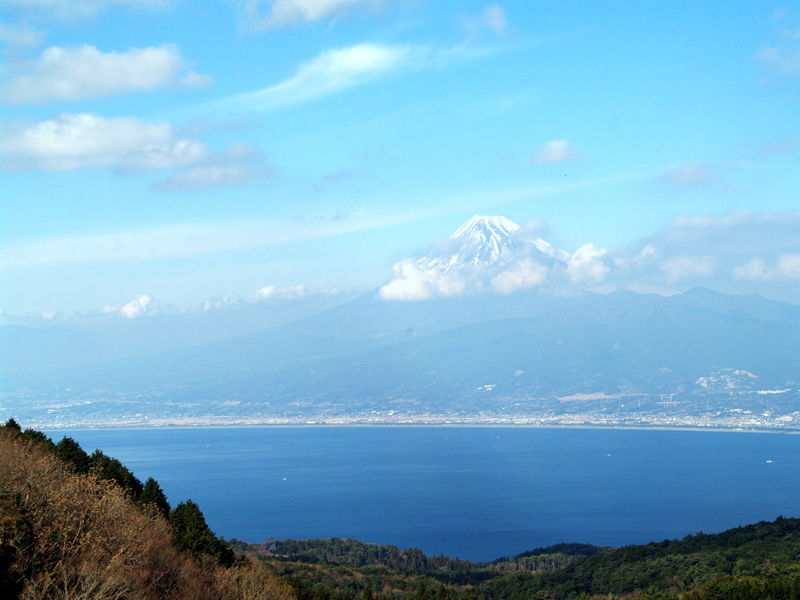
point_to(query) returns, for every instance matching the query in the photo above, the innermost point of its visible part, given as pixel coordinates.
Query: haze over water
(476, 493)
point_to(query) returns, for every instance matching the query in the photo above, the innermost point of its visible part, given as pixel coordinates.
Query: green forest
(75, 525)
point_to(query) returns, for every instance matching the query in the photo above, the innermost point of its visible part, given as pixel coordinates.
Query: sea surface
(478, 493)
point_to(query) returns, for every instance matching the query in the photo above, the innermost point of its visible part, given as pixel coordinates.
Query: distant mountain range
(499, 356)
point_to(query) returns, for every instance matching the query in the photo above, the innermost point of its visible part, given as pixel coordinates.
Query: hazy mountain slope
(363, 323)
(620, 343)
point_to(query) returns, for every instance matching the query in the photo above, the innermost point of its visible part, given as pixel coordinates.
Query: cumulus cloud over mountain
(142, 306)
(486, 253)
(741, 252)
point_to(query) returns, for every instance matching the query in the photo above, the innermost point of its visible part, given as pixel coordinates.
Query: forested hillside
(760, 561)
(75, 526)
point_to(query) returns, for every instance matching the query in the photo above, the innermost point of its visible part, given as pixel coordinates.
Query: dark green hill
(759, 561)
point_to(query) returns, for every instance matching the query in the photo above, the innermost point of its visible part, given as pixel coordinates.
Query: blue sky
(165, 154)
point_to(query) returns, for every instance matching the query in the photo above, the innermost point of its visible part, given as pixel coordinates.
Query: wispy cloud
(70, 10)
(337, 70)
(492, 19)
(782, 147)
(785, 61)
(783, 55)
(694, 174)
(237, 165)
(17, 35)
(688, 267)
(556, 151)
(86, 72)
(329, 73)
(181, 240)
(286, 13)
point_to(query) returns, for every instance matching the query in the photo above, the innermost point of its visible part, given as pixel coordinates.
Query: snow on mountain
(485, 241)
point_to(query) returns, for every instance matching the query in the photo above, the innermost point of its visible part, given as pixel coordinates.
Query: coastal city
(761, 410)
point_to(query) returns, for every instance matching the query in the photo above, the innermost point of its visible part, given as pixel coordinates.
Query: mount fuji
(489, 240)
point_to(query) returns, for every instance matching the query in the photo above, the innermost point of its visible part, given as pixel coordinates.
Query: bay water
(478, 493)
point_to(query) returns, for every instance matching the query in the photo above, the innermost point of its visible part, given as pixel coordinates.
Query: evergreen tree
(153, 494)
(105, 467)
(12, 425)
(38, 438)
(190, 534)
(69, 451)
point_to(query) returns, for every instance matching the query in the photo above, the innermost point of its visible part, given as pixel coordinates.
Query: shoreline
(304, 423)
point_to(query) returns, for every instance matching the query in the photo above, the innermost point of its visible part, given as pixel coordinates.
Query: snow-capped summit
(479, 227)
(486, 241)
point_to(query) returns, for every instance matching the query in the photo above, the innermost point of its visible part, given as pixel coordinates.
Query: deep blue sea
(474, 492)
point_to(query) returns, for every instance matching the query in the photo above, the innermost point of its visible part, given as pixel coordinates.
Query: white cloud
(414, 282)
(739, 253)
(585, 264)
(271, 292)
(694, 174)
(522, 275)
(69, 142)
(755, 269)
(329, 73)
(83, 141)
(789, 265)
(556, 151)
(143, 305)
(16, 35)
(283, 13)
(222, 301)
(683, 267)
(86, 72)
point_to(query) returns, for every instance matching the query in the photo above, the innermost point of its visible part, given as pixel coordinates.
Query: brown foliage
(251, 580)
(73, 537)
